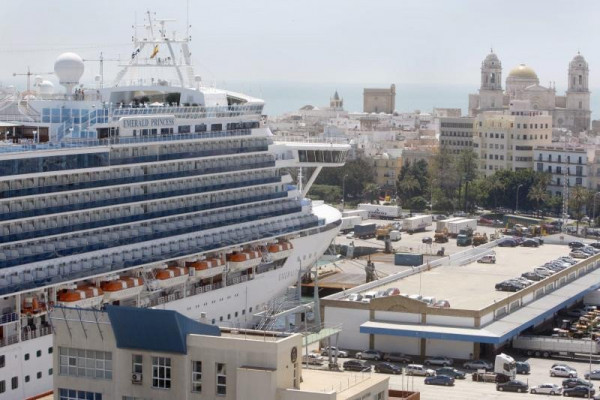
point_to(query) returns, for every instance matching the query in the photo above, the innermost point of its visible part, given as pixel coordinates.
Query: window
(183, 129)
(196, 376)
(50, 350)
(221, 379)
(200, 128)
(216, 127)
(14, 382)
(161, 372)
(2, 361)
(136, 363)
(27, 378)
(71, 394)
(50, 371)
(39, 375)
(38, 353)
(85, 363)
(26, 356)
(2, 386)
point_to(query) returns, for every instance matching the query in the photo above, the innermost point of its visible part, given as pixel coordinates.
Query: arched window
(493, 78)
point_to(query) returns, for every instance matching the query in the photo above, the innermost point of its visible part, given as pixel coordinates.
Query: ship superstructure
(150, 193)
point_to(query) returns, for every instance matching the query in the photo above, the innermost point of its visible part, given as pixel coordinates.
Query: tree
(412, 181)
(371, 192)
(358, 173)
(538, 194)
(467, 171)
(327, 193)
(443, 179)
(578, 198)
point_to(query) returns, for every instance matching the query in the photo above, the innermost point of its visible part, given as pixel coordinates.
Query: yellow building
(387, 168)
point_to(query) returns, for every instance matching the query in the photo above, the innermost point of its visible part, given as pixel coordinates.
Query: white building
(456, 133)
(128, 353)
(506, 139)
(567, 166)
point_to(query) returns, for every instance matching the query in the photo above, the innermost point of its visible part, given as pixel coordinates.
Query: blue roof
(154, 330)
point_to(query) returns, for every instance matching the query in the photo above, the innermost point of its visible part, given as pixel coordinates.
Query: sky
(315, 41)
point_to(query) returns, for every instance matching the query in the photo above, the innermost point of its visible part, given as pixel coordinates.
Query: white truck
(382, 212)
(363, 214)
(416, 224)
(548, 346)
(443, 224)
(349, 222)
(454, 227)
(395, 235)
(505, 369)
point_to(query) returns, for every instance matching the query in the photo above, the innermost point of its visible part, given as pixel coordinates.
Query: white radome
(46, 87)
(69, 68)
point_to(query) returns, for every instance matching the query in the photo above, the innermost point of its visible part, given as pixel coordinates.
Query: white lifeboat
(84, 296)
(119, 288)
(242, 260)
(169, 277)
(280, 250)
(206, 268)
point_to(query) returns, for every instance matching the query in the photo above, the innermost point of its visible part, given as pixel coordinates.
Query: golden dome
(522, 71)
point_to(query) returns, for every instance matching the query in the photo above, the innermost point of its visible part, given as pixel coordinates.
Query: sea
(285, 97)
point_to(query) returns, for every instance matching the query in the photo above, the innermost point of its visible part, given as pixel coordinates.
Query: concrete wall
(291, 394)
(351, 320)
(414, 318)
(398, 344)
(450, 321)
(449, 348)
(254, 384)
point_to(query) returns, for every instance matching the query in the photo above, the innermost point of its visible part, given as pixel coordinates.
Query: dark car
(442, 380)
(573, 382)
(579, 391)
(356, 365)
(508, 287)
(595, 245)
(532, 276)
(388, 368)
(452, 372)
(427, 240)
(513, 386)
(576, 245)
(523, 367)
(507, 243)
(530, 243)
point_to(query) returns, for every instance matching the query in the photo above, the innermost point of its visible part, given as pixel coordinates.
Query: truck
(381, 212)
(551, 346)
(454, 227)
(348, 223)
(416, 224)
(479, 239)
(408, 259)
(395, 235)
(382, 232)
(441, 236)
(464, 240)
(365, 230)
(505, 369)
(363, 214)
(442, 225)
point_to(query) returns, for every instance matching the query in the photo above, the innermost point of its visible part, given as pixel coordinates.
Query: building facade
(380, 100)
(128, 353)
(571, 111)
(506, 139)
(567, 167)
(456, 133)
(387, 168)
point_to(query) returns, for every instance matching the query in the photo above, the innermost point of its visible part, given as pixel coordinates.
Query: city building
(335, 102)
(566, 165)
(387, 168)
(380, 100)
(127, 353)
(571, 111)
(456, 133)
(506, 139)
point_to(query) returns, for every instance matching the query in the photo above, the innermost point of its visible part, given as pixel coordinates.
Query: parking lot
(467, 389)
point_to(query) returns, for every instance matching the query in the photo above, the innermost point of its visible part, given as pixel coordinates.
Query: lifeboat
(207, 267)
(242, 260)
(168, 277)
(119, 288)
(32, 306)
(280, 250)
(84, 296)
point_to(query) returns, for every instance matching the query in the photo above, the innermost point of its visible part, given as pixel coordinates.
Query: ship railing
(301, 139)
(39, 332)
(8, 317)
(8, 340)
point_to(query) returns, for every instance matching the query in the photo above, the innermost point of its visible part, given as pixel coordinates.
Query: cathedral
(571, 111)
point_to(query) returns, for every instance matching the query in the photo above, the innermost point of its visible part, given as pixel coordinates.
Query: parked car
(507, 243)
(478, 364)
(487, 259)
(579, 391)
(449, 371)
(595, 245)
(576, 245)
(523, 367)
(355, 297)
(594, 375)
(579, 254)
(441, 304)
(532, 276)
(439, 360)
(312, 359)
(356, 365)
(334, 350)
(543, 271)
(388, 368)
(512, 386)
(530, 243)
(442, 380)
(508, 286)
(427, 240)
(369, 355)
(397, 357)
(563, 370)
(547, 388)
(572, 382)
(392, 291)
(418, 369)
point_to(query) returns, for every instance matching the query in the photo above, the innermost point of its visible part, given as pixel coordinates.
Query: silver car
(547, 388)
(369, 355)
(443, 361)
(594, 375)
(477, 364)
(563, 371)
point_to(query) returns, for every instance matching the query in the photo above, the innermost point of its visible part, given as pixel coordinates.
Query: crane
(101, 59)
(28, 75)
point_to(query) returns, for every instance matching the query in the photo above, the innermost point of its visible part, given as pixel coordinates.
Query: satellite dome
(46, 87)
(68, 67)
(38, 79)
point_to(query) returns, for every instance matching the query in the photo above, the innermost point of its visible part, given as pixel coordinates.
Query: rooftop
(346, 383)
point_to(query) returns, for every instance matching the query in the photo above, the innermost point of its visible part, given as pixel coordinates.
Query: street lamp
(344, 191)
(517, 202)
(594, 212)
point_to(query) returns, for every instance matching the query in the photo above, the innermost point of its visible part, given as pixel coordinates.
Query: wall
(450, 321)
(414, 318)
(254, 384)
(351, 320)
(449, 348)
(398, 344)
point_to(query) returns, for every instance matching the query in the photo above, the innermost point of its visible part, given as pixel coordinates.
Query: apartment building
(566, 165)
(456, 133)
(387, 168)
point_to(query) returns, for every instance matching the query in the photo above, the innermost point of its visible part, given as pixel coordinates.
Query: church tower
(336, 102)
(490, 91)
(578, 95)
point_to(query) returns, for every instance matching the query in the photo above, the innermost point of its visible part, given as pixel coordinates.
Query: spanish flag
(154, 52)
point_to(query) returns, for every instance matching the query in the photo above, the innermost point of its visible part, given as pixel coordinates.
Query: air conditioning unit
(136, 378)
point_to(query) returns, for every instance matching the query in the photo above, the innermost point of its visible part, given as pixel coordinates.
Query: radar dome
(46, 87)
(38, 79)
(68, 67)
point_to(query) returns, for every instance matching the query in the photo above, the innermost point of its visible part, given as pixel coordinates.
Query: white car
(547, 388)
(334, 350)
(487, 259)
(439, 360)
(579, 254)
(418, 369)
(543, 271)
(478, 364)
(563, 371)
(369, 355)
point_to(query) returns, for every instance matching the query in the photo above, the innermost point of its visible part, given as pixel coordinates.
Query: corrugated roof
(154, 330)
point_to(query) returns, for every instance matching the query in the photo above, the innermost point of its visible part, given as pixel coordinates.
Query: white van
(487, 259)
(429, 300)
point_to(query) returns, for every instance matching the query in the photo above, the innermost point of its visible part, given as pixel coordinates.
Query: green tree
(578, 198)
(358, 173)
(412, 181)
(538, 194)
(467, 171)
(371, 192)
(443, 179)
(328, 193)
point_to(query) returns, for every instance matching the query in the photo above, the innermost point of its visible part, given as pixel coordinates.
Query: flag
(154, 52)
(135, 53)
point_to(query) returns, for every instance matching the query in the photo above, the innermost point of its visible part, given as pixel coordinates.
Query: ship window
(39, 375)
(2, 386)
(221, 318)
(27, 378)
(50, 350)
(183, 129)
(50, 371)
(2, 361)
(38, 353)
(243, 312)
(216, 127)
(200, 128)
(14, 382)
(236, 314)
(26, 356)
(250, 310)
(228, 316)
(213, 321)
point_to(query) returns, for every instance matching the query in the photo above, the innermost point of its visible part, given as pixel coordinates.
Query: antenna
(28, 75)
(187, 20)
(101, 59)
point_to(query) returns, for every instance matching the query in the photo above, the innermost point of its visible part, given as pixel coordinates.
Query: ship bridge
(313, 153)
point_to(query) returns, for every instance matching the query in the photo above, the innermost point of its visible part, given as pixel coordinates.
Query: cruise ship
(154, 191)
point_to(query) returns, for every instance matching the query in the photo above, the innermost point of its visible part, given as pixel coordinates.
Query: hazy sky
(335, 41)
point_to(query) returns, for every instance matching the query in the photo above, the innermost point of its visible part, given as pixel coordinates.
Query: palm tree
(370, 191)
(496, 187)
(538, 195)
(577, 200)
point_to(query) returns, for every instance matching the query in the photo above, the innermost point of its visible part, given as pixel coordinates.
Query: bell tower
(490, 91)
(578, 95)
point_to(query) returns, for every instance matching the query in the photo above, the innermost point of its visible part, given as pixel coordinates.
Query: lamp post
(517, 201)
(344, 191)
(594, 211)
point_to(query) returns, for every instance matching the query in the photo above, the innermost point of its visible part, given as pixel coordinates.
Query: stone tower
(578, 95)
(490, 91)
(336, 102)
